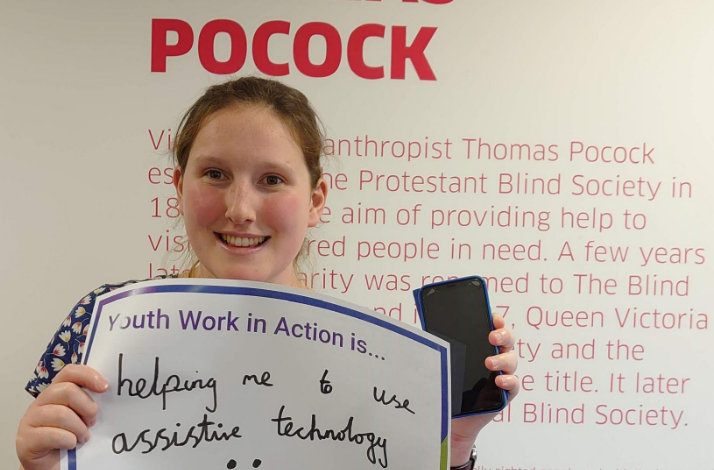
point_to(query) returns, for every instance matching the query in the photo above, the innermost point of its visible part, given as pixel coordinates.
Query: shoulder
(85, 307)
(67, 343)
(86, 304)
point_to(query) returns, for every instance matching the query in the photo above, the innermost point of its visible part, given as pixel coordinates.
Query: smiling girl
(249, 183)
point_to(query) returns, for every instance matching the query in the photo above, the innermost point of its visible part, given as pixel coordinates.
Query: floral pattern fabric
(67, 344)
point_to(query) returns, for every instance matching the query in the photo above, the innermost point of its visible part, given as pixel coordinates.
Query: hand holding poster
(241, 375)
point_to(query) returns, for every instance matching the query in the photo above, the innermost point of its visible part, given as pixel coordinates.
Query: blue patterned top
(67, 344)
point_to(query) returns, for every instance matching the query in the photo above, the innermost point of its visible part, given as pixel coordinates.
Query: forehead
(250, 128)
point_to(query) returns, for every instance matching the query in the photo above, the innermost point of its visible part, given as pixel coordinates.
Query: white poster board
(221, 374)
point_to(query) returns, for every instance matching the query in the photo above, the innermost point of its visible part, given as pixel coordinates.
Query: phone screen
(458, 313)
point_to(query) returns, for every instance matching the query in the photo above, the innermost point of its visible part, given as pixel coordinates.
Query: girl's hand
(465, 430)
(59, 417)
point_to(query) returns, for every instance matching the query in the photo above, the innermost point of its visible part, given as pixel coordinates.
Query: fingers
(502, 337)
(71, 397)
(506, 362)
(509, 383)
(83, 376)
(40, 440)
(66, 392)
(498, 321)
(59, 417)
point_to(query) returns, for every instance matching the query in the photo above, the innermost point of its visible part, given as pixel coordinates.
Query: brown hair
(288, 104)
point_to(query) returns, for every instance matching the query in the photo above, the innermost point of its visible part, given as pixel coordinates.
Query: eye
(272, 180)
(214, 174)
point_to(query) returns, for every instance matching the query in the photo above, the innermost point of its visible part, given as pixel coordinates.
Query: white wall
(79, 99)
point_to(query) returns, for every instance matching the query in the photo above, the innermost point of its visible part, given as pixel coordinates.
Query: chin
(240, 271)
(239, 274)
(242, 275)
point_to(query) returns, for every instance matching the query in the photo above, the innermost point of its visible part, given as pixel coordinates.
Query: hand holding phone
(458, 311)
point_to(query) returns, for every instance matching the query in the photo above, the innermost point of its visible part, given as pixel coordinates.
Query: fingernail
(506, 380)
(499, 337)
(494, 363)
(86, 438)
(103, 385)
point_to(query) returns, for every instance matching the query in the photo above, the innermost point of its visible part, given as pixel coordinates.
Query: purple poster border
(257, 292)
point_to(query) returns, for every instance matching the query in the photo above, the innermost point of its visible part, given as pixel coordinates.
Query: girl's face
(246, 198)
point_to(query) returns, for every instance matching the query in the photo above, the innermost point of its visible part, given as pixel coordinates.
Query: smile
(242, 241)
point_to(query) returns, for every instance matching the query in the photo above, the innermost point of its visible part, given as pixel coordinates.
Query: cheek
(290, 213)
(203, 205)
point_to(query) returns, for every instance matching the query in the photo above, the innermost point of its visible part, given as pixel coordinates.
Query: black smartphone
(458, 311)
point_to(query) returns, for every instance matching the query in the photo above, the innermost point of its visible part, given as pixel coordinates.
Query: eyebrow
(209, 159)
(203, 158)
(279, 165)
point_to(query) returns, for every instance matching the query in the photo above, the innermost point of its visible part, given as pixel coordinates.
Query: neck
(196, 272)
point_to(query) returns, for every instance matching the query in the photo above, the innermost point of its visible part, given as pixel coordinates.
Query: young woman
(249, 183)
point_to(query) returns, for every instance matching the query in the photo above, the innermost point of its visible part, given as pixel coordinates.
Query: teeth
(239, 241)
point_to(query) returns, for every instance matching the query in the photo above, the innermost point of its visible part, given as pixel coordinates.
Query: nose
(240, 204)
